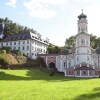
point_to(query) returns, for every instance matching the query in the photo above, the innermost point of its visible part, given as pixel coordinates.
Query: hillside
(11, 59)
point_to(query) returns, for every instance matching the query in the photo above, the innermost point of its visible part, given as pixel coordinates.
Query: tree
(69, 43)
(41, 62)
(52, 49)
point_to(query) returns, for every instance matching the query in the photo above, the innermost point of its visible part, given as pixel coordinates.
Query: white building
(30, 44)
(82, 60)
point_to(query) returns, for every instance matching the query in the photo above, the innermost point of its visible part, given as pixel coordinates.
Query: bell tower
(82, 44)
(82, 38)
(82, 23)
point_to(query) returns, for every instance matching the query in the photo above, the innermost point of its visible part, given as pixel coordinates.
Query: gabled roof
(14, 37)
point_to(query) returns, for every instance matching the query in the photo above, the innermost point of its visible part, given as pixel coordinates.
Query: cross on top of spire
(82, 11)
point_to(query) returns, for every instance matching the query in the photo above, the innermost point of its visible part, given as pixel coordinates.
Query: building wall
(29, 47)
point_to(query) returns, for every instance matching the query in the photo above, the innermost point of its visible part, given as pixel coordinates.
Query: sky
(55, 19)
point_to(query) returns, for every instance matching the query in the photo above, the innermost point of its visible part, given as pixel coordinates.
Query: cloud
(11, 3)
(43, 8)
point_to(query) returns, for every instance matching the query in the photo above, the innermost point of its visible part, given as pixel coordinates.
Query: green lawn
(36, 85)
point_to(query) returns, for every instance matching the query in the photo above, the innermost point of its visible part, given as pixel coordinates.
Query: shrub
(3, 61)
(17, 52)
(41, 61)
(3, 51)
(8, 49)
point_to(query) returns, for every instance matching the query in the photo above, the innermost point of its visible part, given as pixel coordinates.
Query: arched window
(64, 64)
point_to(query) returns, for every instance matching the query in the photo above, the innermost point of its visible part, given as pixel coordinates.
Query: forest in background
(14, 28)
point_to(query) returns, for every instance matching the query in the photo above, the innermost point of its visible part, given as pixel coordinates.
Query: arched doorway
(52, 65)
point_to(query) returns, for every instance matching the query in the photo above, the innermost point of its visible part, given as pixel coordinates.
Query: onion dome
(97, 50)
(82, 15)
(65, 51)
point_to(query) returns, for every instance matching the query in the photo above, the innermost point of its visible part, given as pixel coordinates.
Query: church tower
(83, 50)
(82, 23)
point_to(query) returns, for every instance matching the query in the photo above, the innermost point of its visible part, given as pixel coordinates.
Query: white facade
(29, 46)
(82, 60)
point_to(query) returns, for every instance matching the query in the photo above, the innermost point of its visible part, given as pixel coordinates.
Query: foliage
(17, 52)
(41, 62)
(94, 41)
(3, 51)
(52, 49)
(34, 84)
(13, 28)
(3, 61)
(69, 43)
(8, 49)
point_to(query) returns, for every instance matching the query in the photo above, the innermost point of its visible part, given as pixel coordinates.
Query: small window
(27, 54)
(18, 48)
(27, 42)
(98, 72)
(84, 72)
(41, 50)
(77, 58)
(14, 43)
(1, 44)
(23, 42)
(69, 72)
(23, 48)
(69, 64)
(27, 47)
(87, 58)
(64, 64)
(7, 44)
(32, 48)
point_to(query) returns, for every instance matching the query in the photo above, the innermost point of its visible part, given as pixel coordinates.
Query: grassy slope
(11, 59)
(37, 85)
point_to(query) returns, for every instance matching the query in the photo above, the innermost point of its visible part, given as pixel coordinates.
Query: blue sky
(55, 19)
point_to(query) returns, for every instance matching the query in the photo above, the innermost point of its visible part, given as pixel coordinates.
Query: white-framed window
(14, 43)
(18, 48)
(23, 42)
(23, 48)
(27, 47)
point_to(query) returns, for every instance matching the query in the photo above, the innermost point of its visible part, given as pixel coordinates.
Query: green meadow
(34, 84)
